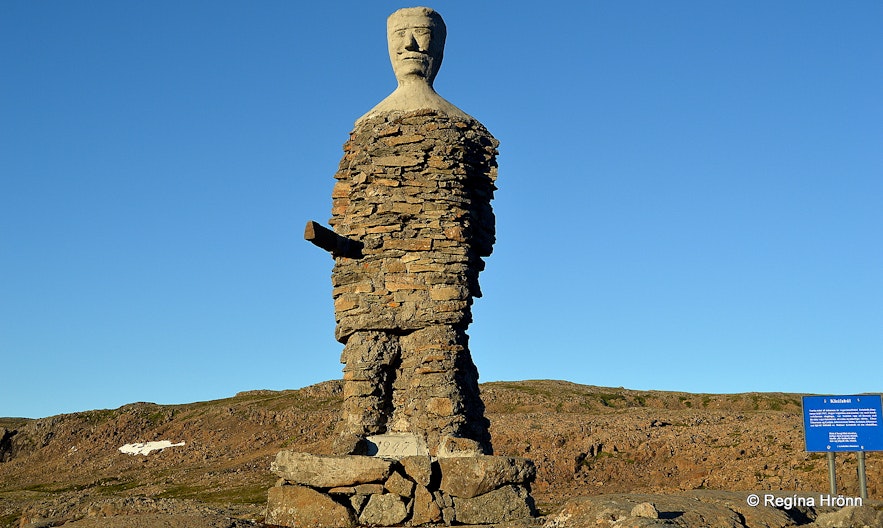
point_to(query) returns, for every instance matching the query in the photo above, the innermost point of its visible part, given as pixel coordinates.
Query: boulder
(418, 468)
(384, 510)
(451, 446)
(849, 516)
(303, 507)
(369, 489)
(358, 502)
(399, 485)
(426, 510)
(508, 503)
(329, 471)
(646, 510)
(469, 477)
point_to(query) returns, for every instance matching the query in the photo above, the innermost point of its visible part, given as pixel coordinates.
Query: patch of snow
(147, 447)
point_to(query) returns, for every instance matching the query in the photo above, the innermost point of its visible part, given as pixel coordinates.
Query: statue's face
(416, 46)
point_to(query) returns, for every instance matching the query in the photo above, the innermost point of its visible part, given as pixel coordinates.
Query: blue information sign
(843, 423)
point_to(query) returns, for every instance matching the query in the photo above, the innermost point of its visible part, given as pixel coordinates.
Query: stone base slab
(349, 491)
(395, 445)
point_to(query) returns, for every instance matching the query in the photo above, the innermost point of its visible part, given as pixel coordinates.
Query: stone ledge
(329, 471)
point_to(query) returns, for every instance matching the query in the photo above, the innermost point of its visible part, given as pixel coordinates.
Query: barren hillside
(585, 441)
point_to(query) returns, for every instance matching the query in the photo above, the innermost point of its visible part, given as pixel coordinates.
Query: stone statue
(411, 221)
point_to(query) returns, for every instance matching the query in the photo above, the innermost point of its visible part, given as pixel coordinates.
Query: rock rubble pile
(342, 491)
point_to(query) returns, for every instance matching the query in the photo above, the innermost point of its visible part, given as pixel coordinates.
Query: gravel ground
(156, 521)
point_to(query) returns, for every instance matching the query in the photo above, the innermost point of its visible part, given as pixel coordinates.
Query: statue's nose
(411, 43)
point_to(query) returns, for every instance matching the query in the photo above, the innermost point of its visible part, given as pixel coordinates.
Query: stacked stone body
(413, 193)
(316, 491)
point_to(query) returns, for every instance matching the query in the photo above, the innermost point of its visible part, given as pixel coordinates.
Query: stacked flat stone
(413, 191)
(342, 491)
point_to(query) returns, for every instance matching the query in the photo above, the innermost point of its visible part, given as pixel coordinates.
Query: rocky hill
(586, 442)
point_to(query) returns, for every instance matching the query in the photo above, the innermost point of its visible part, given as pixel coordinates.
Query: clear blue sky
(690, 192)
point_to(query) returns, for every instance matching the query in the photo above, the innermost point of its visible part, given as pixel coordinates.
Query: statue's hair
(428, 12)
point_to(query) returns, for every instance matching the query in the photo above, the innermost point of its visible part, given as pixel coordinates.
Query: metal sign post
(832, 474)
(862, 478)
(844, 423)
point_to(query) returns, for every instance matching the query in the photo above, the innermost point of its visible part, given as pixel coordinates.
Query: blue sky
(689, 194)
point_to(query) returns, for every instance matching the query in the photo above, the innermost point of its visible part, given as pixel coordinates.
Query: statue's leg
(435, 393)
(370, 359)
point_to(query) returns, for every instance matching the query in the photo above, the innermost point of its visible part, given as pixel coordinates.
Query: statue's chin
(417, 69)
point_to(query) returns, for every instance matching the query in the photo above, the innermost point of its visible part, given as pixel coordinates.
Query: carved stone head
(416, 38)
